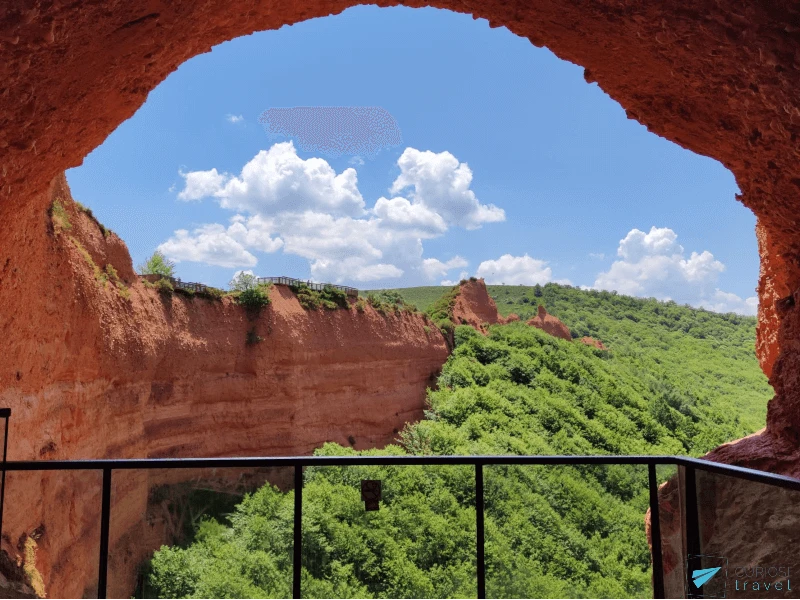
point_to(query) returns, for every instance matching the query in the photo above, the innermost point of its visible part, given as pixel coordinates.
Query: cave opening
(691, 123)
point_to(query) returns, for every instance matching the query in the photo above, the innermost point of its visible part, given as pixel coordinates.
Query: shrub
(157, 264)
(185, 292)
(253, 337)
(113, 276)
(389, 301)
(329, 297)
(473, 279)
(243, 281)
(100, 276)
(441, 311)
(59, 215)
(361, 304)
(211, 293)
(426, 329)
(255, 297)
(164, 286)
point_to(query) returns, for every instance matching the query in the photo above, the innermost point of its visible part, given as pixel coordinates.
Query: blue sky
(563, 186)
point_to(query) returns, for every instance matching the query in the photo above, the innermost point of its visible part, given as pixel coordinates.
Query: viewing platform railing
(197, 288)
(202, 288)
(695, 476)
(350, 291)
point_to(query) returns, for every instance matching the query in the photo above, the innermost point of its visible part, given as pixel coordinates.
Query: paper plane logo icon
(701, 576)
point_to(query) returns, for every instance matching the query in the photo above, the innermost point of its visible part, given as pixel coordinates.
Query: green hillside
(705, 355)
(551, 531)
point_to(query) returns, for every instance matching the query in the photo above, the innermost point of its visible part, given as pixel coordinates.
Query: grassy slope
(707, 355)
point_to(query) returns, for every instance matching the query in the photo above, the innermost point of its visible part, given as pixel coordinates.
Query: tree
(157, 264)
(243, 280)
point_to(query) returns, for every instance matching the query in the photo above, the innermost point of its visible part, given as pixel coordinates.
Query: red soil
(550, 324)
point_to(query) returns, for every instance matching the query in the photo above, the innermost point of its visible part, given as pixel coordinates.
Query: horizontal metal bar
(329, 461)
(740, 472)
(342, 461)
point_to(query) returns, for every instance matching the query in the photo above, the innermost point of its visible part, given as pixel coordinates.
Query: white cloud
(305, 208)
(353, 269)
(254, 233)
(201, 184)
(451, 282)
(399, 213)
(515, 270)
(356, 160)
(278, 180)
(441, 183)
(234, 118)
(597, 255)
(210, 244)
(654, 264)
(433, 267)
(724, 302)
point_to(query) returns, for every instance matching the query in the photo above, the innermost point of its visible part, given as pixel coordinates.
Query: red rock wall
(88, 374)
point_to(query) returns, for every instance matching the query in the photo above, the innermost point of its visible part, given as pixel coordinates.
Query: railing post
(655, 535)
(4, 413)
(479, 522)
(298, 531)
(692, 522)
(105, 520)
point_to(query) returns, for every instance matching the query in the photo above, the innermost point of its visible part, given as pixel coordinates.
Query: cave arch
(722, 82)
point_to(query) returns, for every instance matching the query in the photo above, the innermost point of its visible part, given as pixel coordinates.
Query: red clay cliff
(91, 374)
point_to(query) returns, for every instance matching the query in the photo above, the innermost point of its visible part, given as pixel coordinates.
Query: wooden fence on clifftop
(199, 288)
(350, 291)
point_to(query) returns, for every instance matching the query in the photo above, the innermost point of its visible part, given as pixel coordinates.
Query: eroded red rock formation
(590, 341)
(475, 307)
(89, 374)
(550, 324)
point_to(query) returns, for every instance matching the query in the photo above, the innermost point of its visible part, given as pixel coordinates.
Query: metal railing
(350, 291)
(691, 465)
(197, 288)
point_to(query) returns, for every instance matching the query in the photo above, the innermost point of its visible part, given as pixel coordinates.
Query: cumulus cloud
(201, 184)
(442, 184)
(307, 209)
(234, 118)
(654, 264)
(433, 267)
(515, 270)
(399, 213)
(277, 180)
(451, 282)
(210, 244)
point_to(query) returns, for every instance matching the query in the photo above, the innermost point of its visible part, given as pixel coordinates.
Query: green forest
(674, 380)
